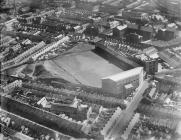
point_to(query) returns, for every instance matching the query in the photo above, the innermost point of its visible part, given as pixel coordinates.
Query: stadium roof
(125, 74)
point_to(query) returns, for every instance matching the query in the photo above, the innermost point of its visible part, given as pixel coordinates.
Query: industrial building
(151, 66)
(166, 34)
(119, 31)
(132, 15)
(145, 31)
(134, 38)
(123, 82)
(171, 57)
(172, 7)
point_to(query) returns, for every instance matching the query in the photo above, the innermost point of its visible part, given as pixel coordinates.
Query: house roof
(122, 27)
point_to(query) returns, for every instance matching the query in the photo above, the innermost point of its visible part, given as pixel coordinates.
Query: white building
(118, 83)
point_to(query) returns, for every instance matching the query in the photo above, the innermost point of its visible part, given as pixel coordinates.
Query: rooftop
(122, 27)
(125, 74)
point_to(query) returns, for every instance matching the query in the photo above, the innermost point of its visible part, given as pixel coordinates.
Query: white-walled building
(118, 83)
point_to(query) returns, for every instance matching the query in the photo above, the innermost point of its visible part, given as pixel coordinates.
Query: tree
(91, 30)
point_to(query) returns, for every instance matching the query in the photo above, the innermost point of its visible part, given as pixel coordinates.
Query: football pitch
(86, 68)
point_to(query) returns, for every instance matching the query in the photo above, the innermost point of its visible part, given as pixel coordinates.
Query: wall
(109, 86)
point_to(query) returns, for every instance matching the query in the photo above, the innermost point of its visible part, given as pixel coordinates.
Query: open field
(86, 68)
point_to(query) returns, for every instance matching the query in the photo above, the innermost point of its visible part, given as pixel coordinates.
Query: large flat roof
(125, 74)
